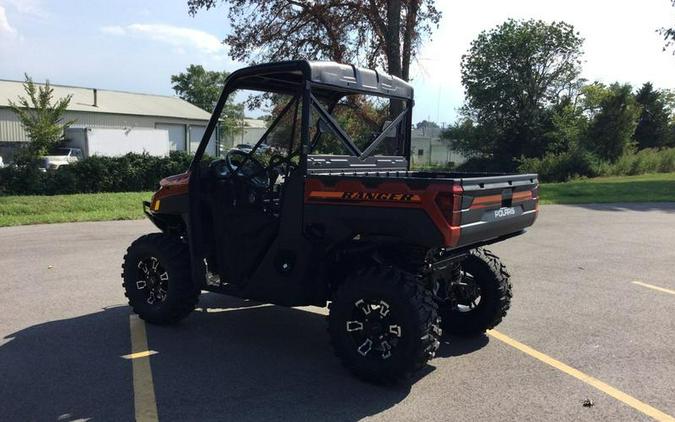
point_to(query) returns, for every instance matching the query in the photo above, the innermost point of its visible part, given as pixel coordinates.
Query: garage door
(196, 134)
(176, 135)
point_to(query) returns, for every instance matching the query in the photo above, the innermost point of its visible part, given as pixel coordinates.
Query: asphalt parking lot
(593, 319)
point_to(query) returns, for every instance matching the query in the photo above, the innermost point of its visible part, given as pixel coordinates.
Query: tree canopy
(41, 118)
(668, 34)
(202, 88)
(653, 128)
(424, 124)
(611, 130)
(373, 33)
(199, 86)
(512, 74)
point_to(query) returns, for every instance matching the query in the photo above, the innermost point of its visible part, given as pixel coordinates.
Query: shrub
(449, 166)
(128, 173)
(562, 166)
(570, 165)
(481, 164)
(650, 160)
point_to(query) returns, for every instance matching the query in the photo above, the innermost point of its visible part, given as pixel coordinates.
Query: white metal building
(428, 149)
(249, 133)
(98, 108)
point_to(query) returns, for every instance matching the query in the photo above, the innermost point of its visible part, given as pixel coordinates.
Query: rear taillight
(450, 204)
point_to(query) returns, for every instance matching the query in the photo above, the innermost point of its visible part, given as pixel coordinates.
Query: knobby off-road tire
(383, 324)
(157, 280)
(492, 279)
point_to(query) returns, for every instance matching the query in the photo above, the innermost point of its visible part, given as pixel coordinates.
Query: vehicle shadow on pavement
(68, 370)
(458, 346)
(259, 363)
(237, 361)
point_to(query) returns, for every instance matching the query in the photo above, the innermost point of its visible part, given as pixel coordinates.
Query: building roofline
(121, 91)
(160, 116)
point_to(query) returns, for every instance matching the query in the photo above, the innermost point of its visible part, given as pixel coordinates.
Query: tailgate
(497, 206)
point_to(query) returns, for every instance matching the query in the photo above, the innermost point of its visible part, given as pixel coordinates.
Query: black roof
(327, 76)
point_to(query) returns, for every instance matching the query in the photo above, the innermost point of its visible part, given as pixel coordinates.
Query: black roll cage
(294, 78)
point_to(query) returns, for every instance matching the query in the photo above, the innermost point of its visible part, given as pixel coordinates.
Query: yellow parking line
(145, 406)
(596, 383)
(143, 354)
(649, 286)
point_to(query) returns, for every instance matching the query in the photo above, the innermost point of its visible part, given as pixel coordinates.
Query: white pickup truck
(61, 157)
(86, 142)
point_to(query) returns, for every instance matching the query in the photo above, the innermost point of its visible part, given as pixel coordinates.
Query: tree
(653, 129)
(568, 125)
(41, 118)
(512, 74)
(426, 124)
(202, 88)
(610, 133)
(668, 35)
(373, 33)
(199, 87)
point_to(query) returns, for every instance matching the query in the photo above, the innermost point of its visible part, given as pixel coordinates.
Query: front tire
(383, 324)
(481, 298)
(157, 279)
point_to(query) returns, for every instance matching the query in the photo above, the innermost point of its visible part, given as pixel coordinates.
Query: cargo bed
(450, 209)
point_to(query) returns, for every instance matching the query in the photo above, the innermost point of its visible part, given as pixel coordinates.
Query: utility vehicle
(331, 214)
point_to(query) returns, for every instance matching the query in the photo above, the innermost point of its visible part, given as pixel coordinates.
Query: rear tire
(157, 279)
(383, 324)
(494, 287)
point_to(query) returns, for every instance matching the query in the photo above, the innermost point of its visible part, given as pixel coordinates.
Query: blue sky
(137, 46)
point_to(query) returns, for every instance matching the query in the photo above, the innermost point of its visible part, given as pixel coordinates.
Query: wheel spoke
(143, 267)
(354, 326)
(151, 298)
(365, 347)
(140, 284)
(386, 349)
(363, 306)
(155, 263)
(164, 276)
(395, 330)
(384, 308)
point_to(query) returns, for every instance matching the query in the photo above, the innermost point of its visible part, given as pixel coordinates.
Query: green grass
(17, 210)
(659, 187)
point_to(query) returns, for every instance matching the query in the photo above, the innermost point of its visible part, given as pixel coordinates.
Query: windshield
(342, 123)
(360, 125)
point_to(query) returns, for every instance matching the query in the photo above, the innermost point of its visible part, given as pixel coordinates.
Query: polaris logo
(505, 212)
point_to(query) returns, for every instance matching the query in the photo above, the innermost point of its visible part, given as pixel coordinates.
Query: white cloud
(113, 30)
(5, 27)
(180, 38)
(33, 8)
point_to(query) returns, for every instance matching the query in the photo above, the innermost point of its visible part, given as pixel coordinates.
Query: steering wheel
(243, 164)
(279, 160)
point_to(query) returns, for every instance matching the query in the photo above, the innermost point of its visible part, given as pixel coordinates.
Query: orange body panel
(171, 186)
(391, 194)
